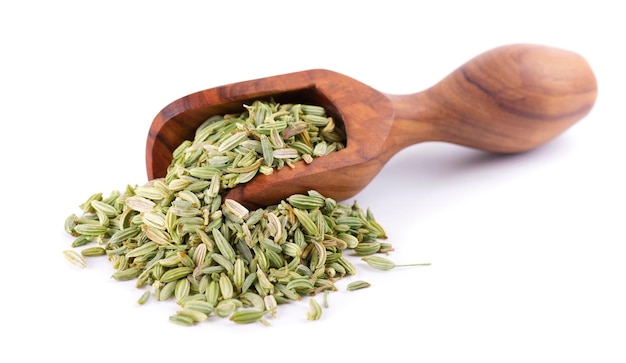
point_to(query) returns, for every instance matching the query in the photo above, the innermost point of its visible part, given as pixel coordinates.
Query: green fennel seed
(181, 238)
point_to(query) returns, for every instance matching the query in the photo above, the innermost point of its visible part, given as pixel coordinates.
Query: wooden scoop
(510, 99)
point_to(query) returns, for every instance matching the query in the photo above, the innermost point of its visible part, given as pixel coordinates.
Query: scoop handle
(509, 99)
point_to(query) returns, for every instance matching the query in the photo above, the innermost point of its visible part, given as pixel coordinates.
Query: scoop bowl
(510, 99)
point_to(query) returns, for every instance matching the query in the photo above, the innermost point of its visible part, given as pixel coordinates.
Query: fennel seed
(179, 237)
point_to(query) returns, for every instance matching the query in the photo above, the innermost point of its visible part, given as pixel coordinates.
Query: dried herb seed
(382, 263)
(315, 312)
(357, 285)
(75, 258)
(179, 238)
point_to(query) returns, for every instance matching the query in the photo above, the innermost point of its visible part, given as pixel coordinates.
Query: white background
(527, 252)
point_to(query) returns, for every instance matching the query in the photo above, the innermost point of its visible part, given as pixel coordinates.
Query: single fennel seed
(382, 263)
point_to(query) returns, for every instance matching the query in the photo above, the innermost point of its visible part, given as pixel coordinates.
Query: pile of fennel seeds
(180, 240)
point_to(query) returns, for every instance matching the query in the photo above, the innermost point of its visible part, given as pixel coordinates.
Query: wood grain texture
(507, 100)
